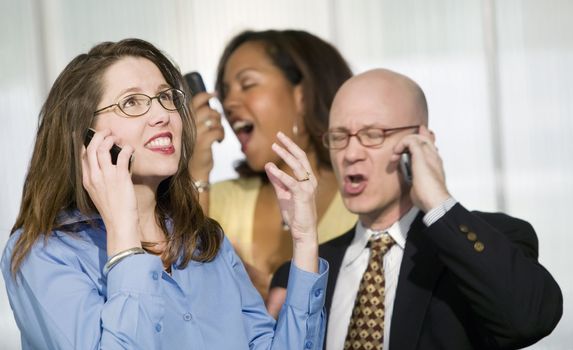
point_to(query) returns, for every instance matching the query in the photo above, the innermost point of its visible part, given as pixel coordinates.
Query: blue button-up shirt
(61, 299)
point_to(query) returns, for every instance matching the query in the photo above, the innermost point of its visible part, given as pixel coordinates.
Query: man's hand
(428, 177)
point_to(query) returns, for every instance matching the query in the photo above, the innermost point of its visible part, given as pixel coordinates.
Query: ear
(432, 136)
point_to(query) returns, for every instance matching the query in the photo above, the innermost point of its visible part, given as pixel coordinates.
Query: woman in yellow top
(270, 81)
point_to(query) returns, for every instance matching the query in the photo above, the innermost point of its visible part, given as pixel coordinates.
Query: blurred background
(497, 74)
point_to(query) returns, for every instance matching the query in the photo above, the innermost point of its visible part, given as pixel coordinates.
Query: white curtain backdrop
(497, 74)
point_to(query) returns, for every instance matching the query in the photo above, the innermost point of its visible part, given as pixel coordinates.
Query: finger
(85, 169)
(103, 153)
(200, 99)
(425, 132)
(209, 120)
(124, 157)
(293, 148)
(279, 179)
(299, 171)
(91, 150)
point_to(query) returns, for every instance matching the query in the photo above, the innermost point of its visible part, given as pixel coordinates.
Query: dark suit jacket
(469, 281)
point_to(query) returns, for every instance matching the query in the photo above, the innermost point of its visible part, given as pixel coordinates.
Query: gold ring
(306, 178)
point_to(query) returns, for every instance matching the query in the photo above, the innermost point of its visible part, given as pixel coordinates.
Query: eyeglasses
(368, 137)
(138, 104)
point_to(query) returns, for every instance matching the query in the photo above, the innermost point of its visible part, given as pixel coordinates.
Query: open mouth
(355, 180)
(354, 184)
(162, 143)
(243, 129)
(159, 142)
(242, 126)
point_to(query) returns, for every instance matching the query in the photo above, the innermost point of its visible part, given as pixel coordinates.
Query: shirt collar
(70, 217)
(398, 231)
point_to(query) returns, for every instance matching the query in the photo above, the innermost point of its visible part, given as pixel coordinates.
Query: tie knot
(381, 244)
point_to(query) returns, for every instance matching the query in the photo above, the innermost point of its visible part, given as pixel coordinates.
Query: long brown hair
(304, 59)
(54, 180)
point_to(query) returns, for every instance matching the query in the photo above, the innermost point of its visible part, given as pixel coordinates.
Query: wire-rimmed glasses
(136, 105)
(368, 137)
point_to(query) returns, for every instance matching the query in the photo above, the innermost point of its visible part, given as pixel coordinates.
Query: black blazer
(469, 281)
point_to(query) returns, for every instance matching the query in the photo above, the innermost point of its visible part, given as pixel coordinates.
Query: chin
(258, 163)
(357, 205)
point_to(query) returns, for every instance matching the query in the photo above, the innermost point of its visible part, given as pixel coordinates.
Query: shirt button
(158, 327)
(187, 317)
(155, 275)
(308, 344)
(318, 293)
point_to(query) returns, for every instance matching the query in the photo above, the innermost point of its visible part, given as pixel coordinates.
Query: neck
(384, 218)
(146, 203)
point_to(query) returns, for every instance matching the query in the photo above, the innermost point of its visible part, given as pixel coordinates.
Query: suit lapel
(419, 273)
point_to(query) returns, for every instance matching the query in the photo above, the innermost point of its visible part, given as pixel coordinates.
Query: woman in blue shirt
(111, 250)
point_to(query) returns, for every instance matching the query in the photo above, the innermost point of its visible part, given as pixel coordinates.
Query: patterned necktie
(366, 328)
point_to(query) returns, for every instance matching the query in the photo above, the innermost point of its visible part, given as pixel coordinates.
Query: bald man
(450, 278)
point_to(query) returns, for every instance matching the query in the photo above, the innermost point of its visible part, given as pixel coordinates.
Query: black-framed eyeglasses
(136, 105)
(368, 137)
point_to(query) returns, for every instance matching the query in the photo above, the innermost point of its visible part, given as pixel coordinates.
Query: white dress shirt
(352, 268)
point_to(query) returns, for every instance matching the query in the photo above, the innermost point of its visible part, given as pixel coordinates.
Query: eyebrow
(136, 90)
(246, 70)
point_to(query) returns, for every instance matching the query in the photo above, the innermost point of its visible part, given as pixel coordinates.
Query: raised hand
(209, 130)
(296, 195)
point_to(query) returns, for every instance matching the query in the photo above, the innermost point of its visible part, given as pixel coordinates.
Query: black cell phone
(195, 83)
(114, 151)
(406, 167)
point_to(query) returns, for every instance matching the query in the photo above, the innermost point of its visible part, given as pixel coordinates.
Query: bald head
(394, 98)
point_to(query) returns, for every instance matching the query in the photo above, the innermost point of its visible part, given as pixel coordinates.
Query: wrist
(116, 258)
(305, 255)
(202, 185)
(117, 244)
(434, 201)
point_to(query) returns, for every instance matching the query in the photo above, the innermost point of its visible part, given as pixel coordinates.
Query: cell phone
(406, 167)
(114, 151)
(195, 83)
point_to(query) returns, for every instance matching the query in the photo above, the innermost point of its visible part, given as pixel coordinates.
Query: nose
(231, 102)
(157, 114)
(354, 151)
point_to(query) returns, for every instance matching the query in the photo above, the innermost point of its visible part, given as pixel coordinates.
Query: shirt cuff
(306, 290)
(140, 273)
(436, 213)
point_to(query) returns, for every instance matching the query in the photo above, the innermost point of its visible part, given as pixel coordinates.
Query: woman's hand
(111, 190)
(209, 130)
(296, 196)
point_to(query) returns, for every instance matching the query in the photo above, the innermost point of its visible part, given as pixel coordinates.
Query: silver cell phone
(406, 167)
